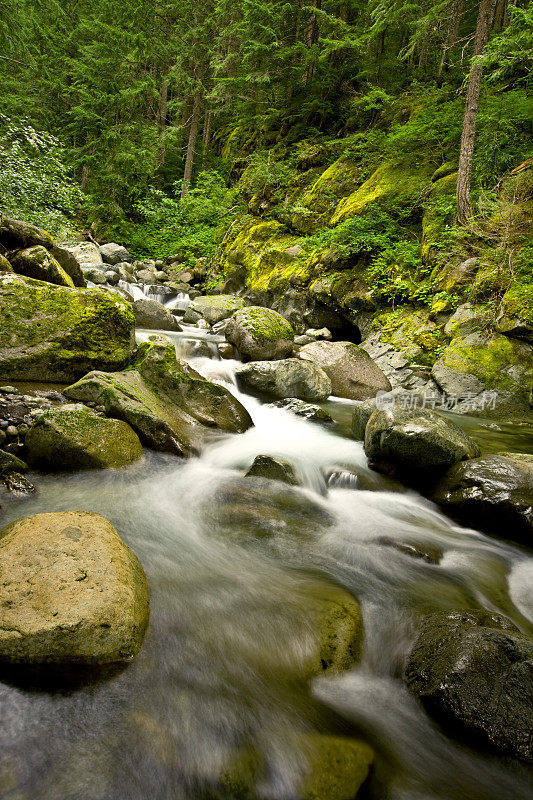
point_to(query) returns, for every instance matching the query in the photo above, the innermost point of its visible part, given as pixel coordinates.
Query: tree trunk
(191, 144)
(162, 122)
(452, 33)
(208, 124)
(468, 138)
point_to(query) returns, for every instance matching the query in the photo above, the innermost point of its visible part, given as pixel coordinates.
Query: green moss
(518, 302)
(337, 767)
(338, 623)
(444, 170)
(439, 214)
(315, 207)
(413, 333)
(265, 324)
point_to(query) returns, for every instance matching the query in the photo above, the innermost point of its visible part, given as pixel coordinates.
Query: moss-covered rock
(455, 276)
(5, 265)
(10, 463)
(36, 262)
(391, 183)
(15, 234)
(164, 400)
(411, 331)
(517, 312)
(315, 207)
(75, 595)
(481, 362)
(214, 308)
(337, 624)
(260, 334)
(275, 469)
(52, 333)
(70, 437)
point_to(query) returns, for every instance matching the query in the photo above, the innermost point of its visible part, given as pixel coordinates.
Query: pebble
(11, 430)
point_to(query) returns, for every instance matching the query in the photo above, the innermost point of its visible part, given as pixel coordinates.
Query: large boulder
(473, 672)
(70, 437)
(494, 493)
(75, 594)
(352, 372)
(164, 400)
(214, 308)
(418, 444)
(260, 334)
(486, 374)
(153, 315)
(70, 264)
(113, 253)
(288, 378)
(86, 254)
(15, 234)
(36, 262)
(52, 333)
(5, 265)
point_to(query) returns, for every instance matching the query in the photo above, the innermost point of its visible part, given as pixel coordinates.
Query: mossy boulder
(391, 184)
(473, 672)
(411, 331)
(315, 207)
(16, 234)
(493, 493)
(260, 334)
(456, 275)
(36, 262)
(352, 372)
(164, 400)
(10, 463)
(73, 438)
(75, 595)
(418, 444)
(481, 362)
(70, 264)
(337, 624)
(5, 265)
(291, 377)
(214, 308)
(517, 317)
(53, 333)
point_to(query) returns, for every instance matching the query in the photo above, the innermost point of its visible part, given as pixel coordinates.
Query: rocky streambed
(340, 589)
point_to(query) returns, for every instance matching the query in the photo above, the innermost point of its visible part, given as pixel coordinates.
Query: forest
(266, 400)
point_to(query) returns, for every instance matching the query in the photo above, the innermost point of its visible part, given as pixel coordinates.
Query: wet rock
(302, 409)
(153, 315)
(226, 350)
(215, 308)
(10, 463)
(164, 399)
(494, 493)
(338, 625)
(52, 333)
(431, 554)
(275, 469)
(112, 277)
(191, 316)
(75, 593)
(15, 234)
(37, 262)
(114, 253)
(419, 445)
(288, 378)
(17, 484)
(260, 334)
(361, 414)
(473, 672)
(352, 372)
(70, 437)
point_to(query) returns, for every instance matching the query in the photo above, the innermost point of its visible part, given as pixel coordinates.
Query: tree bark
(452, 33)
(191, 144)
(468, 138)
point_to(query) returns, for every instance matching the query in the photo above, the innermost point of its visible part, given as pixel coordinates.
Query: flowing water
(231, 626)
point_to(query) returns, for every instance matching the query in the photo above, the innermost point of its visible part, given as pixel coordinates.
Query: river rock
(473, 672)
(111, 277)
(260, 334)
(308, 411)
(145, 275)
(288, 378)
(417, 444)
(492, 493)
(86, 254)
(52, 333)
(338, 625)
(15, 234)
(10, 463)
(95, 275)
(153, 315)
(352, 372)
(71, 593)
(361, 414)
(70, 264)
(36, 262)
(73, 438)
(113, 253)
(165, 400)
(214, 308)
(275, 469)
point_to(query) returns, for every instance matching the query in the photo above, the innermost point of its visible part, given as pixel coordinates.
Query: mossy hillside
(317, 204)
(50, 332)
(439, 213)
(518, 302)
(413, 333)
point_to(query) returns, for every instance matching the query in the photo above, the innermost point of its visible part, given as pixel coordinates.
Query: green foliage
(186, 227)
(36, 184)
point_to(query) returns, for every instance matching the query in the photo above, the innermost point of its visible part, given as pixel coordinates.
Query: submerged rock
(417, 444)
(165, 400)
(70, 437)
(154, 315)
(473, 672)
(38, 263)
(260, 334)
(494, 493)
(290, 378)
(275, 469)
(16, 483)
(338, 625)
(75, 593)
(352, 372)
(214, 308)
(52, 333)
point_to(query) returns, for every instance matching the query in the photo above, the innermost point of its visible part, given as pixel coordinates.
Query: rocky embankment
(122, 396)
